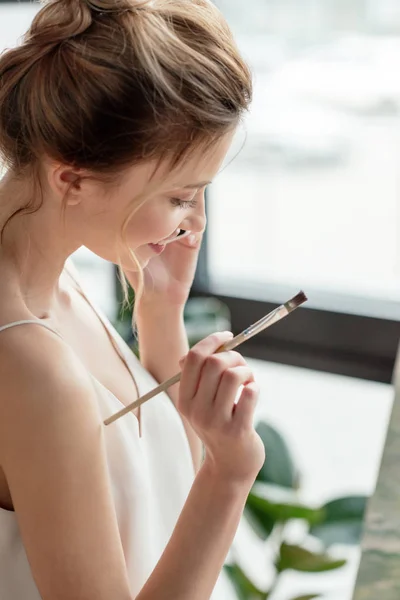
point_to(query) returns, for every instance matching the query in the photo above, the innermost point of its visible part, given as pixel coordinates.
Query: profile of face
(95, 214)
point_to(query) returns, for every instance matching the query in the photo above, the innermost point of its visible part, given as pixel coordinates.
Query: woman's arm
(193, 559)
(52, 452)
(162, 343)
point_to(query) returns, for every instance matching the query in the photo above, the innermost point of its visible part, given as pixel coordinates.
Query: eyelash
(183, 203)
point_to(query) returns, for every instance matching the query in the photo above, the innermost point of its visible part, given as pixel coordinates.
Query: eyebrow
(197, 185)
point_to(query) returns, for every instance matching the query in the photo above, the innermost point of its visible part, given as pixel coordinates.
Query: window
(312, 199)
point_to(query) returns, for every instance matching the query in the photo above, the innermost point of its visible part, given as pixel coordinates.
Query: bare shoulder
(39, 369)
(53, 455)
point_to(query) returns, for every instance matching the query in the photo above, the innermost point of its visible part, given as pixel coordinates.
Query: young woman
(114, 116)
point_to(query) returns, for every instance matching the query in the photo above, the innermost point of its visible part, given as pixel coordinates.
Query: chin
(129, 265)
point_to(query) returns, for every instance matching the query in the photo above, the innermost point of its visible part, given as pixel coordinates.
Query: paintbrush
(272, 317)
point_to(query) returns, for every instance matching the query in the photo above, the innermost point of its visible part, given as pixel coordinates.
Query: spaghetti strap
(70, 270)
(29, 321)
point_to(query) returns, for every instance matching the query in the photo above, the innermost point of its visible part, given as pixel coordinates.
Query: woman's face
(175, 201)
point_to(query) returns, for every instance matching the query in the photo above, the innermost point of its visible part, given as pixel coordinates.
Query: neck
(33, 250)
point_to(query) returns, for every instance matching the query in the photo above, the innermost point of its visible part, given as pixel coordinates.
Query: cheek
(140, 231)
(152, 226)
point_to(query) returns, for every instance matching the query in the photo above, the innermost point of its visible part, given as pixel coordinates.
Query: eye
(183, 203)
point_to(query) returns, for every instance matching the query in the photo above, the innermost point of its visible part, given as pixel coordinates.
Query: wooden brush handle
(163, 386)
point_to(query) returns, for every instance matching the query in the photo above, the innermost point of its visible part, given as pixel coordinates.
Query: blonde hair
(103, 85)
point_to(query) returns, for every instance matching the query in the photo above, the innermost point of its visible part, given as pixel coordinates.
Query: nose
(196, 220)
(196, 224)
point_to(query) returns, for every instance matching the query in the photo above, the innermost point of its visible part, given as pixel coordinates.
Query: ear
(66, 181)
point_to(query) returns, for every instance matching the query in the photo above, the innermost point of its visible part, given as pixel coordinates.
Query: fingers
(210, 383)
(178, 237)
(214, 371)
(243, 412)
(231, 381)
(189, 239)
(194, 362)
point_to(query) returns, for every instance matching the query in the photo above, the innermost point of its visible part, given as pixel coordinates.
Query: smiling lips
(157, 248)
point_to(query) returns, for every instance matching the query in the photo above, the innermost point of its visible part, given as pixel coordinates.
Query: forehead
(204, 164)
(200, 166)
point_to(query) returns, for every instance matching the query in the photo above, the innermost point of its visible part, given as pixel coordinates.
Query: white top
(150, 476)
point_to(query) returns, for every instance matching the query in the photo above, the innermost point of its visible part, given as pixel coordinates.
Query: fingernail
(192, 239)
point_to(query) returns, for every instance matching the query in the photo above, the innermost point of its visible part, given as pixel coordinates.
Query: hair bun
(111, 6)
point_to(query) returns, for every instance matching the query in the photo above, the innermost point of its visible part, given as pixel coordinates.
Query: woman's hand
(169, 276)
(209, 387)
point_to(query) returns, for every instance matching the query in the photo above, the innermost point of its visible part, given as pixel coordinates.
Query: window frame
(347, 343)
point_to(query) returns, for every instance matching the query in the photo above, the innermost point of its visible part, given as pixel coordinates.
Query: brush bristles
(296, 301)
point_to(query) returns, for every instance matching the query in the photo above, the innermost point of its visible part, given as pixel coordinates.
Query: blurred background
(308, 199)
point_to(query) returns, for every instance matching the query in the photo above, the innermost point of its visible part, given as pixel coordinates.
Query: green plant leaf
(262, 514)
(300, 559)
(342, 521)
(261, 523)
(308, 597)
(245, 589)
(279, 466)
